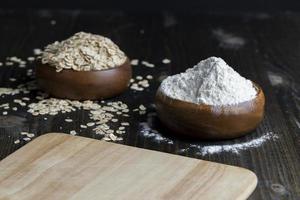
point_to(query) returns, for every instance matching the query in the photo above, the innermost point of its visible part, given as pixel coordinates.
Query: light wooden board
(60, 166)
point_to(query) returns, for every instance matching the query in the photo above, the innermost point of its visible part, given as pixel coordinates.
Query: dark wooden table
(265, 48)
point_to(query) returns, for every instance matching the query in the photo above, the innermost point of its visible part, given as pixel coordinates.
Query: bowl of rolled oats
(84, 66)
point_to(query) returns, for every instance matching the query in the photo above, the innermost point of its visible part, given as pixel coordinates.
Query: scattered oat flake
(4, 113)
(136, 87)
(30, 58)
(30, 135)
(105, 138)
(51, 106)
(83, 126)
(166, 61)
(144, 83)
(90, 124)
(9, 63)
(149, 77)
(147, 64)
(134, 62)
(140, 85)
(37, 52)
(17, 141)
(125, 124)
(26, 139)
(20, 102)
(142, 107)
(101, 114)
(22, 66)
(9, 91)
(139, 78)
(73, 132)
(113, 137)
(5, 105)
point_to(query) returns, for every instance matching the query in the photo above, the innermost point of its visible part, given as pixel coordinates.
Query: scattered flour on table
(297, 122)
(148, 132)
(228, 40)
(208, 149)
(235, 148)
(53, 22)
(275, 79)
(169, 20)
(212, 81)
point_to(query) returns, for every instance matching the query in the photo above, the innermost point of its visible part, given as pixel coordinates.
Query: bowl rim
(127, 61)
(168, 99)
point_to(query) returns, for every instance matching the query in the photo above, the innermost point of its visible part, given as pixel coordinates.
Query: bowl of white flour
(210, 101)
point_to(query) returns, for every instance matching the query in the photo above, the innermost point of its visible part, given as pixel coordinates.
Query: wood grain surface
(265, 49)
(60, 166)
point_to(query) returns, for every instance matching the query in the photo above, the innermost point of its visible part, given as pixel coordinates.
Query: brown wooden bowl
(210, 122)
(84, 85)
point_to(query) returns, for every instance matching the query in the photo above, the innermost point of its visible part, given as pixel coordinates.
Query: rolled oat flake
(83, 52)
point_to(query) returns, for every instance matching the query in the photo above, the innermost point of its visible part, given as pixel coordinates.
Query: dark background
(152, 5)
(272, 46)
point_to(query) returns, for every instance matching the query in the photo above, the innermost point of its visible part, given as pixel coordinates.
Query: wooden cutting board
(59, 166)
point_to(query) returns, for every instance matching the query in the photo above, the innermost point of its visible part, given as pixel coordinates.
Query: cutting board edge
(55, 134)
(248, 175)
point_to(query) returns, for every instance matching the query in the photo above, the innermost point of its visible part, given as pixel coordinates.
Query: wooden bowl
(210, 122)
(84, 85)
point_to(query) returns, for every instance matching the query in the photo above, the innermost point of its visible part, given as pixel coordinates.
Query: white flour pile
(210, 82)
(83, 52)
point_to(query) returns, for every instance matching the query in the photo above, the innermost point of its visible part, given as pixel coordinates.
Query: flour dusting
(208, 149)
(148, 132)
(235, 148)
(228, 40)
(275, 79)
